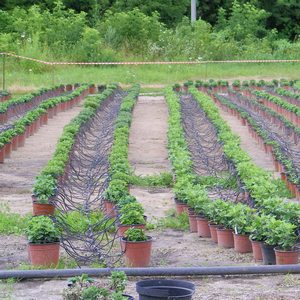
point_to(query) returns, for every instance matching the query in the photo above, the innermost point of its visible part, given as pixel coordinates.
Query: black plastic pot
(128, 297)
(268, 254)
(165, 289)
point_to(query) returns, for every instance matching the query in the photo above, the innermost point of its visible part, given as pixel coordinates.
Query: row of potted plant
(262, 83)
(196, 195)
(290, 111)
(43, 232)
(289, 211)
(27, 125)
(275, 148)
(222, 85)
(45, 186)
(258, 182)
(17, 105)
(118, 202)
(271, 112)
(4, 96)
(290, 96)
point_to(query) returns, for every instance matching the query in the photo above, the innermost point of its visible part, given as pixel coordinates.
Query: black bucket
(268, 254)
(165, 289)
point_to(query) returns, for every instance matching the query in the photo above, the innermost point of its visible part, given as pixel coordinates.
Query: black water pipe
(191, 271)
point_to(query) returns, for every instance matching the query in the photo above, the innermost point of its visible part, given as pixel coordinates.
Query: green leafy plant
(281, 234)
(44, 188)
(133, 206)
(135, 235)
(86, 288)
(132, 217)
(242, 215)
(42, 230)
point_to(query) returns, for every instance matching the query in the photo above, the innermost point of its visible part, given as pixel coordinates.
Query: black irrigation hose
(191, 271)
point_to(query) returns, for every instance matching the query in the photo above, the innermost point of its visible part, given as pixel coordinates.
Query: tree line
(284, 15)
(106, 30)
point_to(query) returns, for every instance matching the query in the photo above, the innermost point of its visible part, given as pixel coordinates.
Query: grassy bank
(146, 75)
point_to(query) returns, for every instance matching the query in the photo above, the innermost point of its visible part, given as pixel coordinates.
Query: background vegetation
(132, 30)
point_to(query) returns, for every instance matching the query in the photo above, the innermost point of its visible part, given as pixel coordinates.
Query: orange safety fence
(152, 62)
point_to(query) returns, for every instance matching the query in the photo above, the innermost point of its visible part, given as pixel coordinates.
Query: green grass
(64, 262)
(146, 75)
(7, 288)
(11, 223)
(163, 179)
(174, 221)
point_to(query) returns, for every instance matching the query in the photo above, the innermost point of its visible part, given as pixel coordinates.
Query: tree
(171, 11)
(284, 16)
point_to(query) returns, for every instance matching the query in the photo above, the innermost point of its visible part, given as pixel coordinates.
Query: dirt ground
(171, 248)
(249, 144)
(280, 287)
(148, 140)
(17, 174)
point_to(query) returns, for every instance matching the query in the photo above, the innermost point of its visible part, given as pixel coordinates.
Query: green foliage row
(131, 212)
(19, 126)
(280, 156)
(258, 182)
(284, 104)
(24, 99)
(45, 185)
(238, 217)
(288, 93)
(119, 168)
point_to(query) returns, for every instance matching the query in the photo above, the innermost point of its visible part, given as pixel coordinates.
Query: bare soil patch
(148, 139)
(18, 173)
(280, 287)
(249, 144)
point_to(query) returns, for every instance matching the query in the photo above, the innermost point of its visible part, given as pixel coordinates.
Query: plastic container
(165, 289)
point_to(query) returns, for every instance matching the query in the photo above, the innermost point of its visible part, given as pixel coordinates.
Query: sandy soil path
(280, 287)
(17, 174)
(249, 144)
(148, 136)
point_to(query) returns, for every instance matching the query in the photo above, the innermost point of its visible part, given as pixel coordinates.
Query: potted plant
(212, 213)
(224, 219)
(257, 235)
(202, 209)
(2, 154)
(180, 189)
(117, 190)
(137, 247)
(132, 218)
(269, 240)
(241, 218)
(44, 190)
(86, 288)
(285, 237)
(197, 199)
(236, 85)
(43, 241)
(176, 87)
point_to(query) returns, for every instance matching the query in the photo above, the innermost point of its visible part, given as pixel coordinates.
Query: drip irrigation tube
(192, 271)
